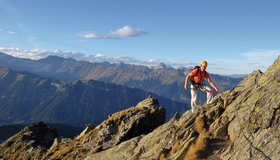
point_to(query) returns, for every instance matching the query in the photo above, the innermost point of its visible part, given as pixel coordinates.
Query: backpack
(197, 67)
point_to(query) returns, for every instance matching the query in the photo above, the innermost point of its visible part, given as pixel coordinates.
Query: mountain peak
(275, 66)
(52, 58)
(162, 66)
(272, 74)
(150, 101)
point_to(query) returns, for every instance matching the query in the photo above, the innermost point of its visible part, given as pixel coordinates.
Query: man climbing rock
(196, 77)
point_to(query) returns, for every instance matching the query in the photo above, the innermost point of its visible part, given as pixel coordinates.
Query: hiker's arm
(212, 84)
(187, 80)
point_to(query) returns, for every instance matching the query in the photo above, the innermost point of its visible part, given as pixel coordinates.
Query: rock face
(30, 143)
(119, 127)
(243, 123)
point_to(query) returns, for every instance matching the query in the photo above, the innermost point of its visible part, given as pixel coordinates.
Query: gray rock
(121, 126)
(241, 124)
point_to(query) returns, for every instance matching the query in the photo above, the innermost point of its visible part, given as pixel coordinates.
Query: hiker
(196, 76)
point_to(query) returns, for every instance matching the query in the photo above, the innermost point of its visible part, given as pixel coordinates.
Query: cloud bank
(125, 31)
(247, 63)
(36, 54)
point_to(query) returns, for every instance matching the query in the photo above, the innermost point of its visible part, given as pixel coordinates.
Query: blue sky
(233, 36)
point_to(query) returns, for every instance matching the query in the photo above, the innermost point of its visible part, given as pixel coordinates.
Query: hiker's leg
(193, 97)
(210, 96)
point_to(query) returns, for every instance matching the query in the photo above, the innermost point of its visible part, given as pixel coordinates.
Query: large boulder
(119, 127)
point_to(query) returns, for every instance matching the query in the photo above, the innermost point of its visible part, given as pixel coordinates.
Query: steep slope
(163, 81)
(241, 124)
(27, 98)
(39, 142)
(121, 126)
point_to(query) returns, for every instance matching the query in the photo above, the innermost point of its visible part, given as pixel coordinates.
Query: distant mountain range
(162, 80)
(27, 98)
(36, 54)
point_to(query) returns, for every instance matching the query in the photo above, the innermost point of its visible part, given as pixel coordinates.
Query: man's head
(203, 65)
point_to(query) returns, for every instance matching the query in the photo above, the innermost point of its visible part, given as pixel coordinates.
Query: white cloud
(125, 31)
(38, 54)
(90, 35)
(99, 55)
(11, 32)
(94, 36)
(17, 52)
(246, 63)
(151, 60)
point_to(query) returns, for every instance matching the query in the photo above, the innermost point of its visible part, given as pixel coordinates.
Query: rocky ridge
(242, 123)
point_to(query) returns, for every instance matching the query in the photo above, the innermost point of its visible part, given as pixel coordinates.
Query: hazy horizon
(235, 37)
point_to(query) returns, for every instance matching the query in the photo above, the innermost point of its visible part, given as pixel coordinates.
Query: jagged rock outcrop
(30, 143)
(119, 127)
(243, 123)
